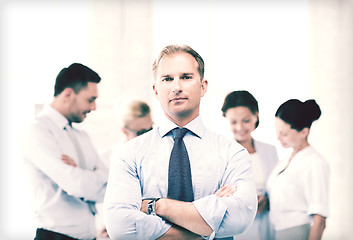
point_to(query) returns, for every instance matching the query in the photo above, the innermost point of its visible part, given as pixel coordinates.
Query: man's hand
(263, 204)
(102, 233)
(68, 160)
(144, 205)
(226, 191)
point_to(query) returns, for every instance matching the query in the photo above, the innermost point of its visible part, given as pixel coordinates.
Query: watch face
(149, 208)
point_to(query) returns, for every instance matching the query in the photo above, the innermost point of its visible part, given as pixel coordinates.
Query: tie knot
(179, 132)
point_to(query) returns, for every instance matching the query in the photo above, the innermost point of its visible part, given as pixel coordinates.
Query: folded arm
(176, 232)
(229, 216)
(41, 148)
(123, 201)
(184, 214)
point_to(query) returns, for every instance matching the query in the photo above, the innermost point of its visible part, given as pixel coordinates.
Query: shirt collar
(59, 119)
(196, 126)
(304, 151)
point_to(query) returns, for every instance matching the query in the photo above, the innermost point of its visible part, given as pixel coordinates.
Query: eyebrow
(184, 74)
(165, 76)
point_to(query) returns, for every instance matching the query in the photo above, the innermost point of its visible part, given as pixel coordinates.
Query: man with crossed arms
(139, 203)
(64, 172)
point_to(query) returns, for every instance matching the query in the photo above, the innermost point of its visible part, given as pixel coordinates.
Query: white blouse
(258, 172)
(299, 191)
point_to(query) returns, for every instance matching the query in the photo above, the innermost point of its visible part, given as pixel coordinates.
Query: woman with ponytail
(298, 185)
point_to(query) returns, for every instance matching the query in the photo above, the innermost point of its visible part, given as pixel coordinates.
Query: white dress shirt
(60, 191)
(300, 191)
(140, 171)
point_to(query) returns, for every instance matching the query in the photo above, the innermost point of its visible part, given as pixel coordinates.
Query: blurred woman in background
(298, 186)
(241, 109)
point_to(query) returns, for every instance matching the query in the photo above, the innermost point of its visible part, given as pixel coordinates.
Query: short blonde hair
(132, 109)
(171, 49)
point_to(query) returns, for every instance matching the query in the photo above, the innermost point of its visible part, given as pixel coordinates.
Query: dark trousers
(43, 234)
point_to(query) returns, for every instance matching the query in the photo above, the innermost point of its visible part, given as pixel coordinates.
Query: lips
(85, 114)
(177, 99)
(241, 133)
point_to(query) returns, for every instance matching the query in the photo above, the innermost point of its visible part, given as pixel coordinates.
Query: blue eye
(167, 79)
(186, 77)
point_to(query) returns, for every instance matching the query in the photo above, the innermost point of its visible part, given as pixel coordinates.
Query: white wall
(259, 47)
(275, 49)
(331, 83)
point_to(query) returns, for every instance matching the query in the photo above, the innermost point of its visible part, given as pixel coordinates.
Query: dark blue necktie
(179, 175)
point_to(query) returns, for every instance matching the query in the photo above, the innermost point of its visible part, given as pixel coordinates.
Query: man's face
(178, 86)
(82, 103)
(138, 126)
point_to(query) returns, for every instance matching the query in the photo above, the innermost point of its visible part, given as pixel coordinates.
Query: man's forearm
(177, 232)
(186, 220)
(183, 214)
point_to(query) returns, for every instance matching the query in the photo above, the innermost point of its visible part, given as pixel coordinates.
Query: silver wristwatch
(151, 207)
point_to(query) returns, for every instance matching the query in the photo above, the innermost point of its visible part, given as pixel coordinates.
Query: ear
(305, 132)
(67, 92)
(204, 85)
(257, 117)
(155, 89)
(124, 130)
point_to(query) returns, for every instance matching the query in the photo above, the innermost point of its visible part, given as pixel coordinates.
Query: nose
(93, 106)
(239, 126)
(176, 85)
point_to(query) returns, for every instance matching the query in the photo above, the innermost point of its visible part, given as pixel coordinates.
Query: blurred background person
(62, 167)
(135, 119)
(298, 186)
(241, 109)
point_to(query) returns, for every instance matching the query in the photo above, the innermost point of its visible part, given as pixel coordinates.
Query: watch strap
(151, 210)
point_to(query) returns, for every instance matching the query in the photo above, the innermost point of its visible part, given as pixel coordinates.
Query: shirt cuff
(318, 209)
(211, 237)
(212, 210)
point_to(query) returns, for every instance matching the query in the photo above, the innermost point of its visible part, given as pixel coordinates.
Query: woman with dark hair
(240, 108)
(298, 186)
